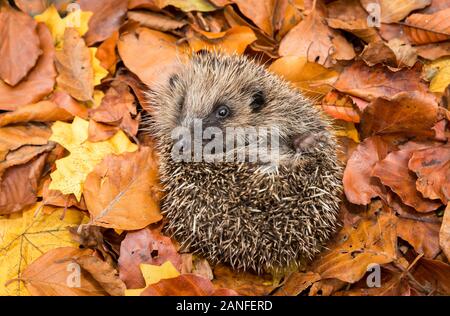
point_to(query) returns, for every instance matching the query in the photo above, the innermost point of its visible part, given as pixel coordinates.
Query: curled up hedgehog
(266, 214)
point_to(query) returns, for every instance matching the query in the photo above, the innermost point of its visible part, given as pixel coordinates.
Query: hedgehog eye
(172, 80)
(258, 101)
(222, 112)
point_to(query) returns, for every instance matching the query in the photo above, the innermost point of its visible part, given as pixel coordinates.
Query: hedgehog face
(226, 92)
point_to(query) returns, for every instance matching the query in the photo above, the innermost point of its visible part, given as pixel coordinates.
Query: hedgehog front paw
(307, 142)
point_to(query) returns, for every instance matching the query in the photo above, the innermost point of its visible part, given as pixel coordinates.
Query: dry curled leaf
(393, 172)
(103, 273)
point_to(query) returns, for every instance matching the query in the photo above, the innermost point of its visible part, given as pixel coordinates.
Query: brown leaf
(296, 283)
(39, 81)
(395, 54)
(393, 172)
(44, 111)
(396, 285)
(103, 273)
(115, 104)
(432, 168)
(359, 185)
(395, 11)
(18, 187)
(428, 28)
(444, 233)
(13, 137)
(106, 52)
(264, 43)
(144, 246)
(19, 48)
(155, 21)
(372, 241)
(66, 102)
(123, 191)
(107, 18)
(340, 106)
(433, 276)
(23, 155)
(286, 15)
(312, 38)
(422, 235)
(412, 113)
(185, 285)
(98, 132)
(326, 287)
(244, 283)
(433, 51)
(350, 16)
(50, 275)
(370, 83)
(34, 7)
(76, 75)
(151, 55)
(259, 11)
(56, 198)
(311, 78)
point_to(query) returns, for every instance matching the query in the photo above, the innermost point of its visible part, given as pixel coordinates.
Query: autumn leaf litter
(75, 171)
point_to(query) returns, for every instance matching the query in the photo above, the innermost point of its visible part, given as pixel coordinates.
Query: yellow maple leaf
(24, 237)
(71, 171)
(153, 274)
(57, 25)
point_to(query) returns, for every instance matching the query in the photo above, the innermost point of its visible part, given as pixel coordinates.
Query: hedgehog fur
(249, 215)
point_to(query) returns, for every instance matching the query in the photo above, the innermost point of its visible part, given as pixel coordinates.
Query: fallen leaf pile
(79, 187)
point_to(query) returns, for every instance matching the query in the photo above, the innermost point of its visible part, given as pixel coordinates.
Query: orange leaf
(39, 81)
(428, 28)
(123, 191)
(19, 47)
(76, 75)
(359, 187)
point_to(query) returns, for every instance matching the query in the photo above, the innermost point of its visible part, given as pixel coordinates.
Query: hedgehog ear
(258, 100)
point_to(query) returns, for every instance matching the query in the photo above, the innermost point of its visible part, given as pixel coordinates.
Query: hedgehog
(265, 215)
